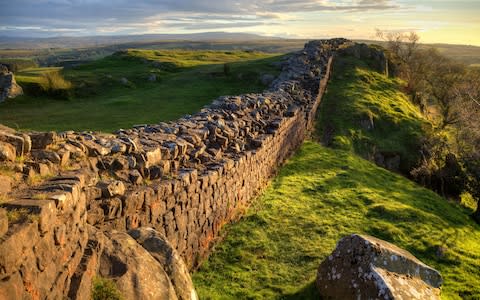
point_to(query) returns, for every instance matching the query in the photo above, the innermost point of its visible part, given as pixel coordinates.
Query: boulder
(364, 267)
(161, 249)
(134, 271)
(8, 86)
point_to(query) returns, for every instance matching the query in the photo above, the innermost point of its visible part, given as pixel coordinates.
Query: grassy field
(186, 81)
(323, 194)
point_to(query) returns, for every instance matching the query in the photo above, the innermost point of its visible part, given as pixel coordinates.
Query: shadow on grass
(308, 292)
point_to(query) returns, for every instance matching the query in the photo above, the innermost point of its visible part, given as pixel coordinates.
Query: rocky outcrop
(364, 267)
(161, 249)
(8, 86)
(186, 179)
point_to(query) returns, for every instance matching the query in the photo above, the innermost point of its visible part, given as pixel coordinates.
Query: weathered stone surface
(135, 272)
(7, 152)
(3, 222)
(364, 267)
(161, 249)
(8, 86)
(17, 141)
(6, 183)
(88, 268)
(41, 140)
(112, 188)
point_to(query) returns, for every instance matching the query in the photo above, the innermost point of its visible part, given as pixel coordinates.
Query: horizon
(373, 39)
(435, 21)
(209, 39)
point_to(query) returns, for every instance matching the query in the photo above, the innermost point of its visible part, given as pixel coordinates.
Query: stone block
(41, 140)
(112, 208)
(111, 188)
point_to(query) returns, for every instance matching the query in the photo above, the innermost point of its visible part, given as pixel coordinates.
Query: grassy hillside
(367, 113)
(323, 194)
(186, 81)
(320, 196)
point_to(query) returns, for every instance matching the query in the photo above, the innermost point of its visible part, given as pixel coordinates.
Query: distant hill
(467, 54)
(93, 41)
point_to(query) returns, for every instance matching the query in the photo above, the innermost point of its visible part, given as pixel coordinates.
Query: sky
(436, 21)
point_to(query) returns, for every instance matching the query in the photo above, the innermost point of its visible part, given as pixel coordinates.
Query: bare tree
(443, 76)
(403, 51)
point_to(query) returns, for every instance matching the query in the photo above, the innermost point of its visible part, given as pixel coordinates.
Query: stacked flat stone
(186, 179)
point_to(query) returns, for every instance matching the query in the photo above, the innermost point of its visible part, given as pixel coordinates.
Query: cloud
(90, 16)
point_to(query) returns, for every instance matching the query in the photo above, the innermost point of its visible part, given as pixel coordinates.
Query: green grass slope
(320, 196)
(186, 81)
(323, 194)
(356, 98)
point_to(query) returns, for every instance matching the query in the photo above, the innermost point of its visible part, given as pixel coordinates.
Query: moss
(105, 289)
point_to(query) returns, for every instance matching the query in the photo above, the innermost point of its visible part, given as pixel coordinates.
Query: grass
(324, 194)
(186, 81)
(320, 196)
(357, 95)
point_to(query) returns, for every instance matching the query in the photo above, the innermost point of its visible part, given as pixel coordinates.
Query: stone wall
(185, 178)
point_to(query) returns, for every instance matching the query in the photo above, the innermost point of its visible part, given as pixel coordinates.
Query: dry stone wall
(185, 178)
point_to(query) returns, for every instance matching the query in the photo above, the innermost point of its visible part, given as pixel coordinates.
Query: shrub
(55, 85)
(105, 289)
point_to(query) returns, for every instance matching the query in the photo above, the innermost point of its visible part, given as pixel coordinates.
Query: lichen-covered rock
(161, 249)
(135, 272)
(364, 267)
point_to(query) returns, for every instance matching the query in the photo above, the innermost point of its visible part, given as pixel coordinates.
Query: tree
(443, 77)
(467, 108)
(403, 51)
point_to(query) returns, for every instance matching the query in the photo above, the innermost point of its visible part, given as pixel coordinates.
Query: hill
(367, 113)
(105, 40)
(118, 86)
(467, 54)
(323, 194)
